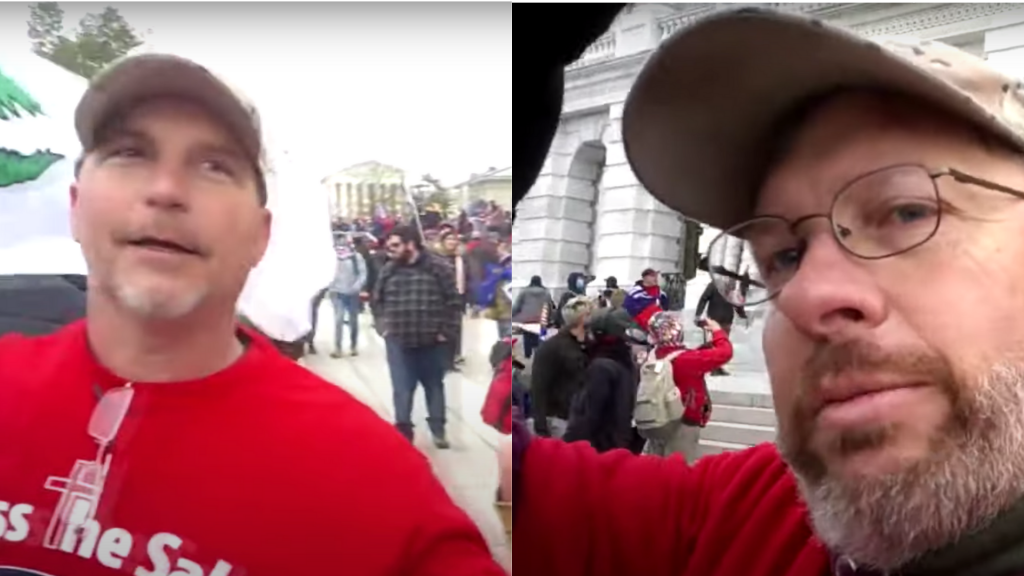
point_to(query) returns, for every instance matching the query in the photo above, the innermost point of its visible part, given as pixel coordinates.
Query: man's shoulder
(437, 261)
(34, 349)
(336, 442)
(301, 393)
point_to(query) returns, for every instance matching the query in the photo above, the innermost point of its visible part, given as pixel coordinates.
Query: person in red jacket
(689, 367)
(159, 437)
(850, 174)
(503, 394)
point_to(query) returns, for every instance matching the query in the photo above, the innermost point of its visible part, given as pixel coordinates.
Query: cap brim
(147, 76)
(696, 125)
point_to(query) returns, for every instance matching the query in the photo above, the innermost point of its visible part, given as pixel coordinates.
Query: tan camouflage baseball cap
(696, 125)
(134, 79)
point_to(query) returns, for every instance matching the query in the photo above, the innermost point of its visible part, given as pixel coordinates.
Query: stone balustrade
(602, 49)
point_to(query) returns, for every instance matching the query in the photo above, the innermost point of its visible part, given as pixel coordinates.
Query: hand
(712, 325)
(441, 338)
(364, 295)
(505, 469)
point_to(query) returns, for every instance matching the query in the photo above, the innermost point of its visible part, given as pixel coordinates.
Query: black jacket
(557, 374)
(719, 309)
(602, 411)
(35, 305)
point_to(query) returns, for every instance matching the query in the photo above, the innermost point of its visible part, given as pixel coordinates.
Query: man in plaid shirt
(417, 310)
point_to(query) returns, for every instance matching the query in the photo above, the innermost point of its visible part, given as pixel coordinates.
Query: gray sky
(427, 87)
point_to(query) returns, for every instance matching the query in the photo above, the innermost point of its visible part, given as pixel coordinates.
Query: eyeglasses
(82, 490)
(877, 215)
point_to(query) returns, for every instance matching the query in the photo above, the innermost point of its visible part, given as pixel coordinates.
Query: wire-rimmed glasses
(882, 213)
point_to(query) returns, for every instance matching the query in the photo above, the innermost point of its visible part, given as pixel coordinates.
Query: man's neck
(159, 350)
(579, 333)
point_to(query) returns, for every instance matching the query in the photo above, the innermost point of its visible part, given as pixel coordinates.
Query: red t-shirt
(734, 514)
(263, 469)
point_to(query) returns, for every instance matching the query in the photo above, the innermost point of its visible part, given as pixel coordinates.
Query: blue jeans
(410, 367)
(504, 329)
(345, 305)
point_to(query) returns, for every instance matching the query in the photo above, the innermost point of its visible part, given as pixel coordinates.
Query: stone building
(587, 212)
(356, 191)
(494, 185)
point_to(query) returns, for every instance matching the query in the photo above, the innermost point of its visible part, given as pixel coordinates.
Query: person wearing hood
(602, 411)
(612, 296)
(345, 292)
(576, 283)
(533, 305)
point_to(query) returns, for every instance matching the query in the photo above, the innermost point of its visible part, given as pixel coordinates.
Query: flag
(641, 304)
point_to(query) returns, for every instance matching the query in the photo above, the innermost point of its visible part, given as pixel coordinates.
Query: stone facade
(588, 213)
(357, 190)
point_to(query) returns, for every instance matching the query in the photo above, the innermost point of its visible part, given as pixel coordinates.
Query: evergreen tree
(16, 167)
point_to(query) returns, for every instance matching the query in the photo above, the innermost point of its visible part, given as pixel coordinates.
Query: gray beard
(885, 522)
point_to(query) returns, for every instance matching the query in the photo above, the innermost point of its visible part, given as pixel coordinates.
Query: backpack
(659, 405)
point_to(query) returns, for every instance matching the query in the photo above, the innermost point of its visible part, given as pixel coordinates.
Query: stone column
(634, 231)
(553, 233)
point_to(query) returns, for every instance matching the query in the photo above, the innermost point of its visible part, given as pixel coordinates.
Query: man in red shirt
(157, 437)
(876, 189)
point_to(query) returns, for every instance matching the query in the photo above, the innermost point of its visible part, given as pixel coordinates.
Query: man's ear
(73, 213)
(260, 246)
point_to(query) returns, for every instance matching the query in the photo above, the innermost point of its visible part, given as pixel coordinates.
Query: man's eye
(125, 151)
(219, 167)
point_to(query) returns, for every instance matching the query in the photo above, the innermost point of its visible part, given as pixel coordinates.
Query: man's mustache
(832, 360)
(173, 234)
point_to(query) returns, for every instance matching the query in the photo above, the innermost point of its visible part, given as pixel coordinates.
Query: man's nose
(168, 188)
(832, 294)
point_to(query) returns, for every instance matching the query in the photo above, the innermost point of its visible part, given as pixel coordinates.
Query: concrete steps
(711, 447)
(738, 420)
(743, 415)
(737, 433)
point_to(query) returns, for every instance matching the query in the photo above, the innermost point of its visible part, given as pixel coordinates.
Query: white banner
(38, 148)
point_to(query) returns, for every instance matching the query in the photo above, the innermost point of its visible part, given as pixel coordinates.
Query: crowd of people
(418, 292)
(876, 185)
(137, 438)
(605, 369)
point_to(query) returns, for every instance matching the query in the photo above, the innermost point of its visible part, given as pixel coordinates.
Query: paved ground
(469, 469)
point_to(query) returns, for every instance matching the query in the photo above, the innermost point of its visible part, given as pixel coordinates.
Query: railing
(670, 24)
(602, 49)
